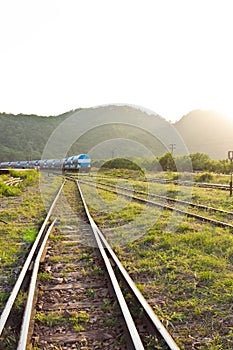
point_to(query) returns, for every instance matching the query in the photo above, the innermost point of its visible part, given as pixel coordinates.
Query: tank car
(81, 162)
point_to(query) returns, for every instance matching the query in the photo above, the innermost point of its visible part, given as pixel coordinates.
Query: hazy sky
(167, 56)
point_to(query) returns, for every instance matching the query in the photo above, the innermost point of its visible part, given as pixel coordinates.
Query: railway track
(79, 299)
(186, 183)
(193, 183)
(131, 194)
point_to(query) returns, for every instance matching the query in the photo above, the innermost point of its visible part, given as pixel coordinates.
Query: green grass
(53, 319)
(29, 177)
(50, 319)
(8, 191)
(30, 235)
(44, 276)
(186, 267)
(90, 293)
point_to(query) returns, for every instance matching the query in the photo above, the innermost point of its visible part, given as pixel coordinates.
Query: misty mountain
(103, 132)
(206, 132)
(113, 131)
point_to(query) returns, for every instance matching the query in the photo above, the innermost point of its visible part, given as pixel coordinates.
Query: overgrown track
(74, 306)
(78, 305)
(186, 183)
(131, 194)
(193, 183)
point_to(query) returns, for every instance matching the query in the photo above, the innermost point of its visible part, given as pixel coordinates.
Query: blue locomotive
(80, 163)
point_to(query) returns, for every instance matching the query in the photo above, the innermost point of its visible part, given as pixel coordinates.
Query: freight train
(80, 163)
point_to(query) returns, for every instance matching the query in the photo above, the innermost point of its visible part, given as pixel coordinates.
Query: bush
(120, 163)
(204, 177)
(29, 176)
(8, 191)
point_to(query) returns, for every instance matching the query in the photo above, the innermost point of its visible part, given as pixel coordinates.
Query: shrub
(8, 191)
(29, 176)
(204, 177)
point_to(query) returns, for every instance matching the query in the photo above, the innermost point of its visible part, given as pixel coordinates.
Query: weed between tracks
(186, 275)
(75, 318)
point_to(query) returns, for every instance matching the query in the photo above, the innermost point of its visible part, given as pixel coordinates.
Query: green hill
(135, 133)
(24, 137)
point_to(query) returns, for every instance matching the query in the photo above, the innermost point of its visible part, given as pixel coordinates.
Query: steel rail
(193, 183)
(146, 307)
(132, 330)
(28, 309)
(184, 183)
(14, 293)
(164, 206)
(201, 206)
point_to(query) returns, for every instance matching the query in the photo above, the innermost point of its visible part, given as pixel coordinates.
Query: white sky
(166, 56)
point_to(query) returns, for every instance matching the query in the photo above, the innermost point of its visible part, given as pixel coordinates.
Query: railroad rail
(164, 206)
(135, 336)
(26, 267)
(186, 183)
(198, 184)
(170, 199)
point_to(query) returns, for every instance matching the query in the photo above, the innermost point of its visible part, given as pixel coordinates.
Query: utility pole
(230, 156)
(173, 147)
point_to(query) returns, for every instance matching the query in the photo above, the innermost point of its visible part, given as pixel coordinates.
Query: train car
(4, 165)
(44, 164)
(71, 162)
(83, 163)
(80, 163)
(65, 164)
(58, 163)
(18, 165)
(25, 164)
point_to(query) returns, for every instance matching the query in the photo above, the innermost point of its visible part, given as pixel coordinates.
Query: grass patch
(8, 191)
(29, 235)
(44, 276)
(188, 270)
(52, 319)
(29, 177)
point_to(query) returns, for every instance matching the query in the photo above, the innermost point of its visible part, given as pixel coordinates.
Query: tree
(167, 162)
(200, 161)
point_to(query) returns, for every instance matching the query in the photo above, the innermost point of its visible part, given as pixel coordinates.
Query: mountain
(105, 131)
(23, 137)
(113, 131)
(206, 132)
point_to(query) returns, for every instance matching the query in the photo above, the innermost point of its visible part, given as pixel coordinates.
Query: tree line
(168, 162)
